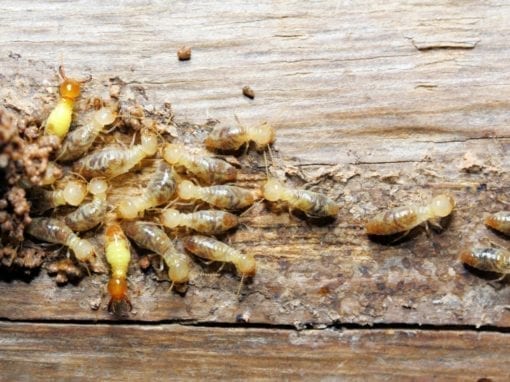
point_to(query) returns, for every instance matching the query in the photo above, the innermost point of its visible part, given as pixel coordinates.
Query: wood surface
(377, 104)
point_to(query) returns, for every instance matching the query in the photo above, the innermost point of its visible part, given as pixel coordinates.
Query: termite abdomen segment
(499, 221)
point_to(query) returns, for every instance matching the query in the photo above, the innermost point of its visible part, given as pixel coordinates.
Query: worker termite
(118, 255)
(311, 203)
(149, 236)
(211, 222)
(114, 160)
(159, 190)
(78, 141)
(487, 259)
(57, 232)
(59, 120)
(207, 169)
(89, 215)
(403, 219)
(233, 137)
(228, 197)
(73, 194)
(215, 250)
(499, 221)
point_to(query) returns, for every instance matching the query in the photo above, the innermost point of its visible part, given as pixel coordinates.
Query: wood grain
(121, 352)
(376, 105)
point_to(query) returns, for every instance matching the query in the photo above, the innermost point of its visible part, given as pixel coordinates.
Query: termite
(499, 221)
(52, 174)
(114, 160)
(233, 137)
(118, 255)
(402, 219)
(207, 169)
(59, 120)
(311, 203)
(78, 141)
(57, 232)
(89, 215)
(228, 197)
(72, 194)
(487, 259)
(159, 190)
(210, 222)
(215, 250)
(149, 236)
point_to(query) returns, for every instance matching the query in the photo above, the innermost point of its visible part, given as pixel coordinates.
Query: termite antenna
(240, 286)
(171, 286)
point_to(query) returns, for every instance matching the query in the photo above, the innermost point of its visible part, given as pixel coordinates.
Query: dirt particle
(248, 92)
(184, 53)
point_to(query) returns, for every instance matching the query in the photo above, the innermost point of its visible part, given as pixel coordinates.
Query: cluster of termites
(151, 216)
(190, 198)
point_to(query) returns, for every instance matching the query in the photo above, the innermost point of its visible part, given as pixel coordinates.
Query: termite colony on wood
(93, 200)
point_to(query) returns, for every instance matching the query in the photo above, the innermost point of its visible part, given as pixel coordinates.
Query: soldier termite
(73, 194)
(487, 259)
(227, 197)
(59, 120)
(160, 189)
(313, 204)
(233, 137)
(210, 222)
(207, 169)
(499, 221)
(403, 219)
(148, 236)
(115, 160)
(78, 141)
(215, 250)
(89, 215)
(118, 256)
(57, 232)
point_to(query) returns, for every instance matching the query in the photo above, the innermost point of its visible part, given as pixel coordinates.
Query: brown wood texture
(189, 353)
(377, 104)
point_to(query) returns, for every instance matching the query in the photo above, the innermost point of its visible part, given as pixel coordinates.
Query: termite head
(273, 190)
(70, 88)
(105, 116)
(263, 135)
(84, 250)
(173, 153)
(75, 192)
(170, 218)
(97, 186)
(246, 265)
(178, 269)
(129, 208)
(117, 288)
(149, 142)
(442, 205)
(186, 190)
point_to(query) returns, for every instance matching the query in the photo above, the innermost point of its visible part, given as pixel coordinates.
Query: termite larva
(78, 141)
(228, 197)
(73, 194)
(118, 256)
(233, 137)
(499, 221)
(405, 218)
(149, 236)
(59, 120)
(311, 203)
(88, 215)
(487, 259)
(114, 160)
(211, 222)
(213, 249)
(159, 190)
(207, 169)
(57, 232)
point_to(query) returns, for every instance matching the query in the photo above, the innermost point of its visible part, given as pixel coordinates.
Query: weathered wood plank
(376, 104)
(172, 351)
